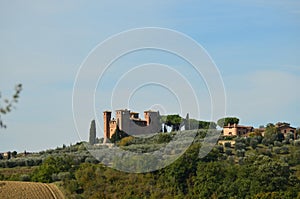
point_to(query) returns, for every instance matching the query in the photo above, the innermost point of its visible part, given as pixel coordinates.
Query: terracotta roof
(238, 126)
(282, 127)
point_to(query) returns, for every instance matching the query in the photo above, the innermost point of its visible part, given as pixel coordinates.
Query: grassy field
(30, 190)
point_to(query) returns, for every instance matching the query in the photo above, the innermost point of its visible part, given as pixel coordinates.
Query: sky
(254, 44)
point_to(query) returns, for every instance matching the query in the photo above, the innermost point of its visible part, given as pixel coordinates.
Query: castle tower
(106, 127)
(123, 120)
(153, 121)
(151, 116)
(147, 116)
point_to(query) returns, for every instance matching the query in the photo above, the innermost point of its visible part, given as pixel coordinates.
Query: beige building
(236, 130)
(285, 129)
(130, 123)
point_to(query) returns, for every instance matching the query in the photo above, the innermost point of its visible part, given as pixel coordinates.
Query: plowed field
(28, 190)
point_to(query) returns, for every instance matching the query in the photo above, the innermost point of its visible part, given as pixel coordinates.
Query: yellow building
(237, 130)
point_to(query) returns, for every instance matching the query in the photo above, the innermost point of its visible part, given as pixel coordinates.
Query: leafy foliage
(174, 121)
(52, 165)
(190, 177)
(237, 171)
(228, 120)
(118, 135)
(272, 134)
(7, 105)
(195, 124)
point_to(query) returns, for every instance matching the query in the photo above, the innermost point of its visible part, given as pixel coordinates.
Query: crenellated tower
(106, 127)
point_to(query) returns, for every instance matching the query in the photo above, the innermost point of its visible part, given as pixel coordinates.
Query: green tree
(253, 142)
(272, 175)
(174, 121)
(228, 120)
(14, 154)
(7, 105)
(196, 124)
(272, 134)
(118, 135)
(52, 165)
(177, 174)
(209, 177)
(240, 146)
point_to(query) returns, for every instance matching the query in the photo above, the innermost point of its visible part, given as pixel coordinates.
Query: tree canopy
(118, 135)
(272, 134)
(196, 124)
(174, 121)
(228, 120)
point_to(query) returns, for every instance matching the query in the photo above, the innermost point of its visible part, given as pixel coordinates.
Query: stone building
(285, 129)
(130, 123)
(237, 130)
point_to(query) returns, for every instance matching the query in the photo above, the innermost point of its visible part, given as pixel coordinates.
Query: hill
(243, 167)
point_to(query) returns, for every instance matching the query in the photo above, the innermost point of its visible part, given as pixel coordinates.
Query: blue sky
(255, 45)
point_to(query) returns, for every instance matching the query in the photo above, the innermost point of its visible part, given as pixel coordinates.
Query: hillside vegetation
(255, 167)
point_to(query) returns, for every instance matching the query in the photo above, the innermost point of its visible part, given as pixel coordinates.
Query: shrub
(294, 158)
(220, 148)
(227, 144)
(51, 165)
(240, 153)
(290, 136)
(241, 160)
(284, 142)
(63, 175)
(259, 139)
(54, 177)
(281, 150)
(228, 151)
(277, 143)
(230, 159)
(297, 143)
(164, 138)
(240, 146)
(253, 143)
(126, 141)
(248, 140)
(72, 186)
(266, 152)
(91, 160)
